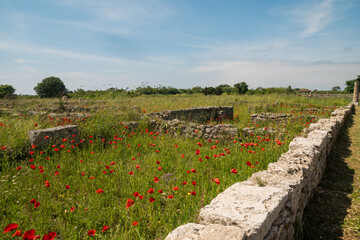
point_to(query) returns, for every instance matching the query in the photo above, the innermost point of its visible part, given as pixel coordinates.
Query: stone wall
(197, 114)
(270, 204)
(42, 138)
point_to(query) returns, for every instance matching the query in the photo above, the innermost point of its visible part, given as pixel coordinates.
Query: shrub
(6, 90)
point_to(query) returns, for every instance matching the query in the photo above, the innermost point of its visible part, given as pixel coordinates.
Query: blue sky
(93, 44)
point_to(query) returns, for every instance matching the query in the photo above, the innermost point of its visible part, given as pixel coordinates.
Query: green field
(140, 184)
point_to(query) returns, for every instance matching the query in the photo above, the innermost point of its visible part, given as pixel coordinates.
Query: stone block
(192, 231)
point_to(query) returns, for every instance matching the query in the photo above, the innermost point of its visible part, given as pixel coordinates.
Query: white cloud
(60, 53)
(314, 17)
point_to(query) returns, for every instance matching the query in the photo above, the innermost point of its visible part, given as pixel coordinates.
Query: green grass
(122, 163)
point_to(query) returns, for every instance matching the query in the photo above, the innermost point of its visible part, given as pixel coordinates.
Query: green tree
(242, 87)
(350, 84)
(218, 90)
(209, 91)
(336, 88)
(50, 87)
(6, 90)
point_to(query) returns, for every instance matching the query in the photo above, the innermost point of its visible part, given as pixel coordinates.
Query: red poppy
(99, 191)
(18, 168)
(107, 167)
(47, 183)
(158, 162)
(134, 223)
(36, 205)
(29, 235)
(105, 228)
(170, 196)
(193, 170)
(129, 203)
(131, 173)
(136, 194)
(91, 178)
(49, 236)
(193, 193)
(193, 183)
(67, 187)
(249, 163)
(234, 170)
(137, 166)
(72, 209)
(156, 179)
(159, 168)
(33, 200)
(152, 199)
(58, 166)
(17, 233)
(184, 183)
(160, 191)
(141, 197)
(217, 181)
(10, 227)
(104, 172)
(175, 188)
(91, 232)
(33, 167)
(151, 190)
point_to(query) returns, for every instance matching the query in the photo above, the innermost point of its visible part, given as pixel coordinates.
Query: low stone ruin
(196, 114)
(43, 138)
(270, 204)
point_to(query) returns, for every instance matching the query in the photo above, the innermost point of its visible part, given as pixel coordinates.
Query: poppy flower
(175, 188)
(91, 178)
(136, 194)
(67, 187)
(105, 228)
(193, 193)
(170, 196)
(152, 199)
(99, 191)
(193, 183)
(33, 200)
(157, 162)
(17, 233)
(217, 181)
(184, 183)
(134, 223)
(104, 172)
(160, 191)
(49, 236)
(234, 170)
(18, 168)
(193, 170)
(131, 173)
(91, 232)
(159, 168)
(47, 183)
(72, 209)
(29, 235)
(129, 203)
(156, 179)
(10, 227)
(33, 167)
(151, 190)
(36, 205)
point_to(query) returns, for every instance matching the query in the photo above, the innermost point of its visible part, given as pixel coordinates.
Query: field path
(334, 211)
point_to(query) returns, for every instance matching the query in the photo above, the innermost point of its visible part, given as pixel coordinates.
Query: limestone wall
(270, 204)
(197, 114)
(42, 138)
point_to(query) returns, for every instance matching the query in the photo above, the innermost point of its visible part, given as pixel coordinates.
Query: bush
(6, 90)
(50, 87)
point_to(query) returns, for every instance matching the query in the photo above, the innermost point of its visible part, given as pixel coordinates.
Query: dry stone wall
(270, 204)
(197, 114)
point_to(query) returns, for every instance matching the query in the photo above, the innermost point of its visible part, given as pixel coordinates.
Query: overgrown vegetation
(134, 184)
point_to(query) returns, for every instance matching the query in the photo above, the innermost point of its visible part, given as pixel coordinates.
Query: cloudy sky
(97, 44)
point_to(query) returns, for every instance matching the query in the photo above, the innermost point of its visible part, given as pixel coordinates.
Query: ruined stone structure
(42, 138)
(197, 114)
(270, 204)
(356, 93)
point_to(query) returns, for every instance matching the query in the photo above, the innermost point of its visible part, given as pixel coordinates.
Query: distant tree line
(51, 87)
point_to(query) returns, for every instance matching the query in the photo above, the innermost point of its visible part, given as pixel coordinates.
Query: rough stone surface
(197, 114)
(270, 204)
(192, 231)
(45, 137)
